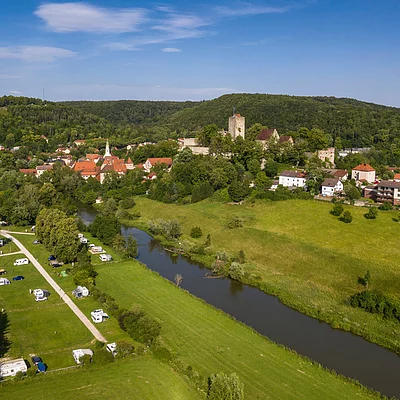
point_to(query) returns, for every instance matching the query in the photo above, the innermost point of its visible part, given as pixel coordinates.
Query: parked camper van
(21, 261)
(98, 316)
(4, 281)
(105, 257)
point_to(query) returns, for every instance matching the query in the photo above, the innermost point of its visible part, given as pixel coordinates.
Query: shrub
(241, 257)
(196, 232)
(102, 357)
(347, 217)
(337, 210)
(207, 243)
(124, 348)
(19, 376)
(372, 213)
(225, 387)
(235, 222)
(170, 229)
(127, 203)
(236, 271)
(162, 353)
(386, 206)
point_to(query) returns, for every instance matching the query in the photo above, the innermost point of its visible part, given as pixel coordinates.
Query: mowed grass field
(8, 247)
(135, 378)
(302, 253)
(210, 341)
(47, 328)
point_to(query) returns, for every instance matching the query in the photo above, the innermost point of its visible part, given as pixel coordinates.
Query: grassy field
(210, 341)
(135, 378)
(300, 252)
(46, 328)
(9, 246)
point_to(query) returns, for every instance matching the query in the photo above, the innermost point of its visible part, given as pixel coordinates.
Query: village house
(87, 169)
(388, 191)
(267, 136)
(331, 187)
(28, 171)
(292, 179)
(41, 169)
(79, 142)
(341, 174)
(396, 178)
(63, 150)
(151, 162)
(363, 173)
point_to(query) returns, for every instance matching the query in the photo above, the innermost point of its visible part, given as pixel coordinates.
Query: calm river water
(341, 351)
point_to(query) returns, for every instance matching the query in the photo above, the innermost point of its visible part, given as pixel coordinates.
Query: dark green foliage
(225, 387)
(352, 192)
(196, 232)
(386, 206)
(127, 203)
(201, 191)
(102, 357)
(105, 227)
(207, 243)
(337, 210)
(170, 229)
(131, 247)
(237, 191)
(372, 213)
(376, 303)
(346, 217)
(241, 257)
(235, 222)
(364, 280)
(124, 348)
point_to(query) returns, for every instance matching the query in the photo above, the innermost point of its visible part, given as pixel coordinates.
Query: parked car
(41, 367)
(56, 265)
(3, 271)
(21, 261)
(36, 360)
(18, 278)
(36, 242)
(52, 258)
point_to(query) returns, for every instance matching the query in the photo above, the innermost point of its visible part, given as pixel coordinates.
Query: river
(347, 354)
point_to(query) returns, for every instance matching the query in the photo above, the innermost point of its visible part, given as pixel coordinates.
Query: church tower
(236, 126)
(107, 153)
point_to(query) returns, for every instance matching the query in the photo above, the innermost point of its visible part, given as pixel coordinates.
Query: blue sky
(181, 50)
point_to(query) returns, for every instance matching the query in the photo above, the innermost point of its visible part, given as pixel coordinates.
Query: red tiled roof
(266, 134)
(85, 166)
(293, 174)
(396, 176)
(166, 160)
(284, 138)
(129, 161)
(363, 167)
(92, 157)
(340, 173)
(28, 171)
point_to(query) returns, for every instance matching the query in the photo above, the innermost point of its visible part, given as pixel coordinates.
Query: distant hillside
(131, 111)
(356, 122)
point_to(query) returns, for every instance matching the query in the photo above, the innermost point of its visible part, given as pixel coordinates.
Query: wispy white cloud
(171, 50)
(242, 9)
(35, 53)
(5, 76)
(15, 92)
(82, 17)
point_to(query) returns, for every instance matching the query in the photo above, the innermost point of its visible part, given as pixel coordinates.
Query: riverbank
(300, 253)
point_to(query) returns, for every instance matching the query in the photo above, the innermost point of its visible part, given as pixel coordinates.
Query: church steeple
(107, 153)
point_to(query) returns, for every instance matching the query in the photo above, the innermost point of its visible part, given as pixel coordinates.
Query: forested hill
(133, 112)
(363, 124)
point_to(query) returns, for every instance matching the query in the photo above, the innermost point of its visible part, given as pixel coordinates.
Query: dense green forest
(131, 111)
(349, 122)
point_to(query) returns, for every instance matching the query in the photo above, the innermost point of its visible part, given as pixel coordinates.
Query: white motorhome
(83, 240)
(98, 316)
(112, 348)
(105, 257)
(21, 261)
(79, 353)
(4, 281)
(41, 295)
(11, 368)
(81, 291)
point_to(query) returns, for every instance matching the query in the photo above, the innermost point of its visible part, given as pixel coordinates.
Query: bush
(235, 222)
(236, 271)
(127, 203)
(102, 357)
(386, 206)
(225, 387)
(241, 257)
(162, 353)
(347, 217)
(372, 213)
(124, 348)
(337, 210)
(170, 229)
(196, 232)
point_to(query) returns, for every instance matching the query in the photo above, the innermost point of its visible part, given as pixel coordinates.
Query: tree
(236, 271)
(65, 240)
(131, 247)
(241, 257)
(364, 280)
(347, 217)
(337, 210)
(225, 387)
(237, 191)
(196, 232)
(352, 192)
(105, 228)
(372, 213)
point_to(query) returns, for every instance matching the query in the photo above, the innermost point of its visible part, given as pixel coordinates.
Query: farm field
(47, 328)
(300, 252)
(133, 378)
(210, 341)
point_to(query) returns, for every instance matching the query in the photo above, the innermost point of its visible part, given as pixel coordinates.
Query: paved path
(10, 254)
(58, 289)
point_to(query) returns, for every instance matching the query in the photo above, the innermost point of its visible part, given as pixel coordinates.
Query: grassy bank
(134, 378)
(210, 341)
(299, 252)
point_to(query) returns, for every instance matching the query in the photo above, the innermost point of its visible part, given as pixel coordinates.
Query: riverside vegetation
(297, 251)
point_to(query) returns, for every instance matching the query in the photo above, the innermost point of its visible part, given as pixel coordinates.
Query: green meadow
(298, 251)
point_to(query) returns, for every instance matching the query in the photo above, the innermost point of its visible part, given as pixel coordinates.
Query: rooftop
(363, 167)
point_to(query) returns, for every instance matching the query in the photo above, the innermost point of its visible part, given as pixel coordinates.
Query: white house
(331, 186)
(292, 179)
(363, 172)
(151, 162)
(79, 353)
(98, 316)
(11, 368)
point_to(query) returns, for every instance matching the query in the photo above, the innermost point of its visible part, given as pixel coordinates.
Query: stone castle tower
(236, 126)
